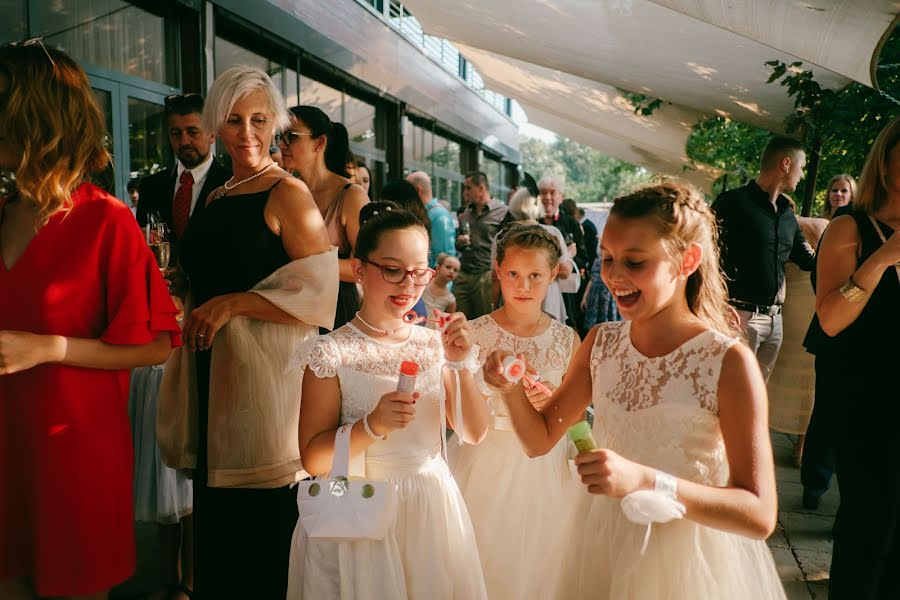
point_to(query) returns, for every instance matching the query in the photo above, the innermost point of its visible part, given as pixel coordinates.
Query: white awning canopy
(568, 58)
(596, 115)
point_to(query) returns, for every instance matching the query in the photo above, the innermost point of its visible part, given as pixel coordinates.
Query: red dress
(66, 455)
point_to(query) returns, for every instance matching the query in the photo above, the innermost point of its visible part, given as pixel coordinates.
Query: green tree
(589, 175)
(844, 122)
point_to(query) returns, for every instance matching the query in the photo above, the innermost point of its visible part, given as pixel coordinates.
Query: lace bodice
(367, 369)
(549, 353)
(662, 412)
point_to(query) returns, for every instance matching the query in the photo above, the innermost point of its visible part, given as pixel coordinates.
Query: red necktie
(181, 206)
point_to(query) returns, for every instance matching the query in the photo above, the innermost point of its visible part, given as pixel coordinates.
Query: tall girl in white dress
(518, 504)
(351, 377)
(680, 405)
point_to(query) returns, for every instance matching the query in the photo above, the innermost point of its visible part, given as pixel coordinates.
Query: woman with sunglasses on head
(317, 149)
(82, 302)
(263, 277)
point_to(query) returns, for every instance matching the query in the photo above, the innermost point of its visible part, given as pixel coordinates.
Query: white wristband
(369, 431)
(469, 363)
(666, 484)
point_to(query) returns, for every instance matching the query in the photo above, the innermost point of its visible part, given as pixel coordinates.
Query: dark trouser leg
(864, 562)
(249, 542)
(204, 568)
(818, 451)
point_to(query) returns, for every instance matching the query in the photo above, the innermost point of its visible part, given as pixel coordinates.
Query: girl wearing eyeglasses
(350, 378)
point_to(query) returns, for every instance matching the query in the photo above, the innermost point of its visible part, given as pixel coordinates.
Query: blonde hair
(523, 206)
(840, 177)
(682, 218)
(232, 85)
(444, 256)
(51, 118)
(873, 181)
(517, 235)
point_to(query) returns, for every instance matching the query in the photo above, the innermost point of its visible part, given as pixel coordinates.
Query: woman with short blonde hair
(263, 278)
(83, 302)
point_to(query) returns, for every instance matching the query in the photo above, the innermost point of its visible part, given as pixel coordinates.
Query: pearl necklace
(228, 188)
(377, 329)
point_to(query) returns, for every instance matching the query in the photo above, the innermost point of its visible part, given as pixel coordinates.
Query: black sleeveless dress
(241, 536)
(866, 554)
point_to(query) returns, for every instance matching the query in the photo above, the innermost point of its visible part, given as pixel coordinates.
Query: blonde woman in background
(817, 466)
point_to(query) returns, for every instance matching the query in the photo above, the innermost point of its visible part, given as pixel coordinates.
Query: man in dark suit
(179, 193)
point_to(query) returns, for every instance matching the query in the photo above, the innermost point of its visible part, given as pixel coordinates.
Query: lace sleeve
(320, 354)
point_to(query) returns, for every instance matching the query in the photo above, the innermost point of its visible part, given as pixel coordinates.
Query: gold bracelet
(852, 292)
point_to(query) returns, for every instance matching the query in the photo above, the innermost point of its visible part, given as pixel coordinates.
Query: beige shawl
(254, 404)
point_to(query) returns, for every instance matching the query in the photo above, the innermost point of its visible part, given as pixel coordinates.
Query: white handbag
(340, 509)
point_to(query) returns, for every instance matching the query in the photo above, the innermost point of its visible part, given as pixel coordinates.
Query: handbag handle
(340, 462)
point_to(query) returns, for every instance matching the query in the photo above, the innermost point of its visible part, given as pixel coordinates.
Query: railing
(439, 49)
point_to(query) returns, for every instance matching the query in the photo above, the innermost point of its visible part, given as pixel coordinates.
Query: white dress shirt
(199, 174)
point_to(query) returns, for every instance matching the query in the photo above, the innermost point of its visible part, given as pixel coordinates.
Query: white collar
(199, 172)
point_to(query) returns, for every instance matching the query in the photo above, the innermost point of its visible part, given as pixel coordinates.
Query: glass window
(112, 34)
(330, 100)
(229, 55)
(440, 151)
(359, 119)
(106, 179)
(291, 88)
(493, 171)
(148, 141)
(14, 25)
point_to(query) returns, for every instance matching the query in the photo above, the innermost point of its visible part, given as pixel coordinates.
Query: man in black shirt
(758, 234)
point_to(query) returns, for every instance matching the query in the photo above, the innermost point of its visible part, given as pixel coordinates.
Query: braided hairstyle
(682, 217)
(518, 235)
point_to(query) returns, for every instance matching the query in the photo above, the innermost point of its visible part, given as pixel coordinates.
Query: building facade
(409, 101)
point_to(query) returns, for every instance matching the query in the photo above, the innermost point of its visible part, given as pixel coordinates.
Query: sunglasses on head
(35, 41)
(181, 101)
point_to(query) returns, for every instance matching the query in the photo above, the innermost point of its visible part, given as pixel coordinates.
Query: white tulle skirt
(430, 553)
(683, 560)
(520, 508)
(161, 494)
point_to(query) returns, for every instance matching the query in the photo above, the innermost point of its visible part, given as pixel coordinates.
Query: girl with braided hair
(681, 487)
(516, 502)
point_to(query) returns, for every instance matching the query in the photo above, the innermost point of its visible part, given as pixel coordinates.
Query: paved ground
(801, 544)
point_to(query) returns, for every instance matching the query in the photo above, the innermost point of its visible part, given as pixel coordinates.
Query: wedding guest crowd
(295, 434)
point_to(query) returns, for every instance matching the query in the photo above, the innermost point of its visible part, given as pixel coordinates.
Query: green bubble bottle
(580, 434)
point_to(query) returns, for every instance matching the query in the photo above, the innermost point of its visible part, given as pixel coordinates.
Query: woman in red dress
(81, 302)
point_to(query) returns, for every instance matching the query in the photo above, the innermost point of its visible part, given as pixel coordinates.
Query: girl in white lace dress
(680, 407)
(518, 503)
(351, 377)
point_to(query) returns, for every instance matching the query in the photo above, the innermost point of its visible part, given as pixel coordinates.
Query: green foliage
(729, 145)
(589, 175)
(643, 105)
(846, 122)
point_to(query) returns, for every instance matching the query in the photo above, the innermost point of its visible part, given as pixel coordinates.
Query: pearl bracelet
(369, 431)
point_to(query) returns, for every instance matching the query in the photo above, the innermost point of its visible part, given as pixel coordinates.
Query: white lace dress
(519, 505)
(662, 412)
(430, 552)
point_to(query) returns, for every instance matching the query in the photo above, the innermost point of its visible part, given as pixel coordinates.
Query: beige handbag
(340, 509)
